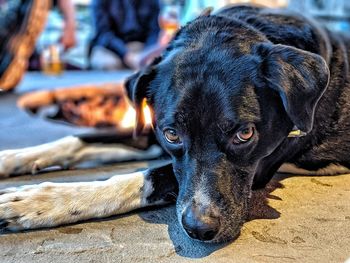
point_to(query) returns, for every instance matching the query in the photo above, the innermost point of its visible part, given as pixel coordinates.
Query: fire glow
(89, 106)
(129, 118)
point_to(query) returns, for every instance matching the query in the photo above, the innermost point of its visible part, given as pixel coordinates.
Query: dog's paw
(13, 162)
(36, 206)
(33, 159)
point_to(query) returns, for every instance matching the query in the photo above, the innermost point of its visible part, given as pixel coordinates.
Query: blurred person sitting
(68, 37)
(124, 31)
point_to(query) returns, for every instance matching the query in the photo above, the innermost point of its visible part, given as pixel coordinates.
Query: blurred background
(99, 43)
(334, 14)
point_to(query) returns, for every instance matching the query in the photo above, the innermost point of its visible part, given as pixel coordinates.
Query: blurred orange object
(92, 105)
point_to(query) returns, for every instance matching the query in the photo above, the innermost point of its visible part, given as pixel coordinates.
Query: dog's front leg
(52, 204)
(67, 152)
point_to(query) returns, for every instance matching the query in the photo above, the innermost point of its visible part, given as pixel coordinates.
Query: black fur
(164, 184)
(247, 66)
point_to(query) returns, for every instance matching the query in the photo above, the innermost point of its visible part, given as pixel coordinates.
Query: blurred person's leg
(21, 22)
(135, 47)
(104, 59)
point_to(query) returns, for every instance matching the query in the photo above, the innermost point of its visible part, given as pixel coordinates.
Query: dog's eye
(171, 136)
(244, 135)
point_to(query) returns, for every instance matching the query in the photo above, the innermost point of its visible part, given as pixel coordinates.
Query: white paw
(33, 159)
(18, 162)
(53, 204)
(37, 206)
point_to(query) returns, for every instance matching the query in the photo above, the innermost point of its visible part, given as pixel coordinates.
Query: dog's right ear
(136, 86)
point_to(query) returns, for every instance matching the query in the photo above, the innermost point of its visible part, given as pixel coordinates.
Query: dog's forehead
(225, 53)
(218, 105)
(212, 104)
(211, 84)
(212, 66)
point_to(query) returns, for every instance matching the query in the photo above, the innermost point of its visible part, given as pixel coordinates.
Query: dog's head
(224, 97)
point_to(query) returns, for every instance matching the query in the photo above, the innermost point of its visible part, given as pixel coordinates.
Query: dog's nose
(198, 225)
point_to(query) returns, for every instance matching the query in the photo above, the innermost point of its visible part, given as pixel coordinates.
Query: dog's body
(226, 94)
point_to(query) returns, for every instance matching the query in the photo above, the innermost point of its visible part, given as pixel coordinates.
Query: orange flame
(90, 106)
(128, 120)
(147, 114)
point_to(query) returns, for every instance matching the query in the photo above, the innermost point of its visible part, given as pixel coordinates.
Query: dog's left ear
(136, 86)
(300, 78)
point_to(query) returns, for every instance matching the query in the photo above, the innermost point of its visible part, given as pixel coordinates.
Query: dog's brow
(180, 118)
(227, 126)
(166, 122)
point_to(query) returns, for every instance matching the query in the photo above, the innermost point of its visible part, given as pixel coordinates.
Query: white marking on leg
(331, 169)
(52, 204)
(115, 153)
(31, 159)
(68, 152)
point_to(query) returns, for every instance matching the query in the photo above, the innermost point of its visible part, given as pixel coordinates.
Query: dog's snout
(199, 225)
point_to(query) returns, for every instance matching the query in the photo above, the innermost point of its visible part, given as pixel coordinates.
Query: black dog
(235, 96)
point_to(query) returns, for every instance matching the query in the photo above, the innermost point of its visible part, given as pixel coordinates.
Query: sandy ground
(295, 219)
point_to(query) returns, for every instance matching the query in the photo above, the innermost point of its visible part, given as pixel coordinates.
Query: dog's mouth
(88, 106)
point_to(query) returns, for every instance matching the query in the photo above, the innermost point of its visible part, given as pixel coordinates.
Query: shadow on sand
(183, 245)
(186, 247)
